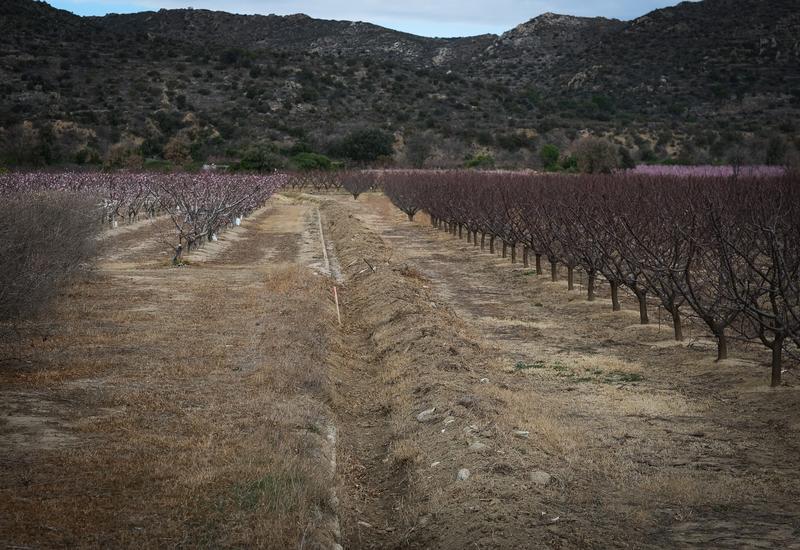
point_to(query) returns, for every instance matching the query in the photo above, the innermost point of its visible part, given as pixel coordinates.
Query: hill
(698, 82)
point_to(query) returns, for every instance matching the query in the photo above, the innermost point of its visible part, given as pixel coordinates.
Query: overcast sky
(423, 17)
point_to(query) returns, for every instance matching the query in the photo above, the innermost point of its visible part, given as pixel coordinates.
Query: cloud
(442, 18)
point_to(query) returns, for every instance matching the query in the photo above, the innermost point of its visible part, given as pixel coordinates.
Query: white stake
(336, 299)
(324, 248)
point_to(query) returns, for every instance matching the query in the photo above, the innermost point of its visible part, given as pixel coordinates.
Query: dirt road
(220, 404)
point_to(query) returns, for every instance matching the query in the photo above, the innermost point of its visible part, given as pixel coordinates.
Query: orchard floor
(221, 405)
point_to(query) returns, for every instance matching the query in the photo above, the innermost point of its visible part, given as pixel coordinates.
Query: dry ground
(207, 406)
(176, 407)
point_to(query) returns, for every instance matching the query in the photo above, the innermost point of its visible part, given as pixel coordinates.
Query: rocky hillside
(542, 44)
(298, 33)
(700, 82)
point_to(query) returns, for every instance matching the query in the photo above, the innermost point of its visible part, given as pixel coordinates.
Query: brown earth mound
(418, 410)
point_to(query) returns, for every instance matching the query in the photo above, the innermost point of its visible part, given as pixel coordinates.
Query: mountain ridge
(694, 81)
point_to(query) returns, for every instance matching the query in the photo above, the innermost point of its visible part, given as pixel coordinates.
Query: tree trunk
(176, 260)
(491, 244)
(677, 326)
(553, 271)
(777, 360)
(615, 296)
(475, 239)
(505, 249)
(590, 284)
(539, 264)
(483, 240)
(642, 297)
(514, 253)
(410, 217)
(722, 344)
(525, 261)
(460, 228)
(570, 277)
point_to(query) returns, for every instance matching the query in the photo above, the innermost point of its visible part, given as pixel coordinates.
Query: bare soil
(649, 444)
(221, 405)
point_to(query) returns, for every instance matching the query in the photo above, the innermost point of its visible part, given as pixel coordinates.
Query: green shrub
(549, 156)
(569, 163)
(311, 161)
(261, 158)
(366, 145)
(480, 160)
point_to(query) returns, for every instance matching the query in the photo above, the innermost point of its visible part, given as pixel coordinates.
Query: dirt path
(648, 444)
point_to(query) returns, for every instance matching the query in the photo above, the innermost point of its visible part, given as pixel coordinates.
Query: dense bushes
(261, 158)
(480, 160)
(596, 156)
(549, 156)
(46, 238)
(366, 145)
(311, 161)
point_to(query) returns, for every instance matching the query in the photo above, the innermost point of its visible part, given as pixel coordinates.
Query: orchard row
(725, 250)
(200, 206)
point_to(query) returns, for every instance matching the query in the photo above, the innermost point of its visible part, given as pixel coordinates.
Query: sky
(443, 18)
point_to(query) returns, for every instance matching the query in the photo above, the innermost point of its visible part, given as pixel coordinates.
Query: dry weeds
(199, 403)
(194, 408)
(648, 446)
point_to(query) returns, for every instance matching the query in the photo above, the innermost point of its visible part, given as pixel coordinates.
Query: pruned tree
(357, 182)
(759, 249)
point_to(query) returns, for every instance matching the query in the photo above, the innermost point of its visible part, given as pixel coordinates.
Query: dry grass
(549, 427)
(194, 402)
(193, 407)
(404, 454)
(637, 436)
(679, 489)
